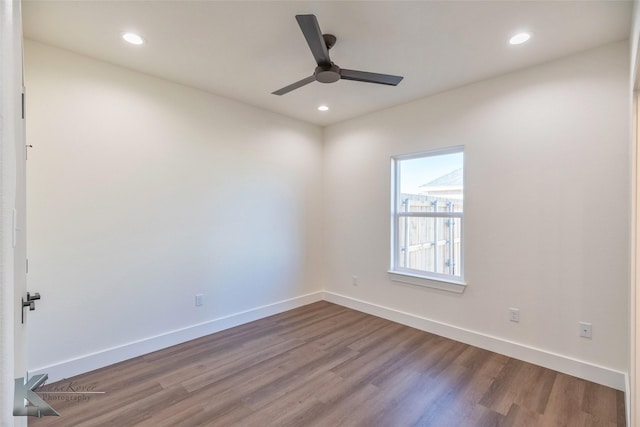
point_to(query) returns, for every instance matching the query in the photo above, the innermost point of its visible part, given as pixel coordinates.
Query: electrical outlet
(585, 329)
(514, 315)
(354, 280)
(199, 300)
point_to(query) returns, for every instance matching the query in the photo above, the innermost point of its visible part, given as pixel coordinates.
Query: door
(12, 212)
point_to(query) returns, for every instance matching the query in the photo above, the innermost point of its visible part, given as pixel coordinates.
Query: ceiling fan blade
(364, 76)
(295, 85)
(311, 30)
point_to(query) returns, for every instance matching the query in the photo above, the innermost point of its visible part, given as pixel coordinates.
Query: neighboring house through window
(428, 215)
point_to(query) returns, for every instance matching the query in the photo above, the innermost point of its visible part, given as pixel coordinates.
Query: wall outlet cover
(514, 315)
(585, 330)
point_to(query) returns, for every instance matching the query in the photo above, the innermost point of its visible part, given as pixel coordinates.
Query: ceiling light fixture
(519, 38)
(323, 108)
(133, 38)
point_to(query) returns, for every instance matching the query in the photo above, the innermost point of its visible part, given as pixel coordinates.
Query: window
(428, 215)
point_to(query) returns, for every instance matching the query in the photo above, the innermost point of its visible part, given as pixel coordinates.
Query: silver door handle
(30, 302)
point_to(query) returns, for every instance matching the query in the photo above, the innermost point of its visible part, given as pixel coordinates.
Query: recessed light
(519, 38)
(133, 38)
(323, 108)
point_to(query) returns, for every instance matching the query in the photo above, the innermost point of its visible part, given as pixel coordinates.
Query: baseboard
(558, 362)
(568, 365)
(90, 362)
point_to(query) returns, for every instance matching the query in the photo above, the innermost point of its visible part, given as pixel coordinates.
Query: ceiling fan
(327, 71)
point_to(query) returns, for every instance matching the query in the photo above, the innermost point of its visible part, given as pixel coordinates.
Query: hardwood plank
(565, 402)
(620, 406)
(519, 382)
(521, 417)
(326, 365)
(600, 402)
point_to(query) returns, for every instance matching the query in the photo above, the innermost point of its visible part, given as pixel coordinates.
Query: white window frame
(413, 276)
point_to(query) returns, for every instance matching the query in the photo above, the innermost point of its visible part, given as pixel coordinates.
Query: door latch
(30, 302)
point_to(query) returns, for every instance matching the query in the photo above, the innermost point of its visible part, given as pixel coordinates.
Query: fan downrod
(328, 73)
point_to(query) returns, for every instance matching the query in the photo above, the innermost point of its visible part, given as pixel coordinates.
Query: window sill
(444, 284)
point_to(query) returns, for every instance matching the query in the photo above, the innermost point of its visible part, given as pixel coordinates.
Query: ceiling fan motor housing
(327, 73)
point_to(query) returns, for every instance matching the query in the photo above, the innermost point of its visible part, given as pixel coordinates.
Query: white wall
(143, 193)
(138, 201)
(546, 209)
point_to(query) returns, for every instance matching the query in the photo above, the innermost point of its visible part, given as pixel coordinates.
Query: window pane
(431, 184)
(430, 244)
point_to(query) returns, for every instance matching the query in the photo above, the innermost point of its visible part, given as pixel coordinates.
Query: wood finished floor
(326, 365)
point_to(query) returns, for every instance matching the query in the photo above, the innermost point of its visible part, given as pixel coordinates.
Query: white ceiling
(245, 50)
